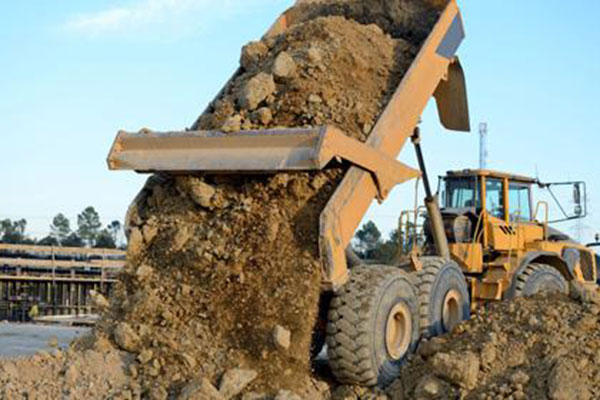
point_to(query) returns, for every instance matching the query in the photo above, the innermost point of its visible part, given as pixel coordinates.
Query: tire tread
(426, 278)
(531, 270)
(350, 324)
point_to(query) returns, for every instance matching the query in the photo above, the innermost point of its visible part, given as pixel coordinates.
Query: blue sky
(74, 72)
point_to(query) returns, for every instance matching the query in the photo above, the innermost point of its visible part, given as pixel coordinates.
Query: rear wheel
(373, 325)
(540, 278)
(443, 295)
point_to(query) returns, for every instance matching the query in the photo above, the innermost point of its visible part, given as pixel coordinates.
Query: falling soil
(218, 264)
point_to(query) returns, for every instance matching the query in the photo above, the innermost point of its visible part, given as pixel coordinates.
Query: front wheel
(538, 279)
(373, 325)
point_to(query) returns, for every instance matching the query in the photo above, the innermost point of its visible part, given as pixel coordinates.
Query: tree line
(89, 232)
(369, 243)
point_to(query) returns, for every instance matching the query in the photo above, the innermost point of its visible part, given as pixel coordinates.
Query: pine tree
(88, 225)
(60, 229)
(368, 239)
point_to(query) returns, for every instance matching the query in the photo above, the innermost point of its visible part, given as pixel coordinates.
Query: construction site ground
(538, 348)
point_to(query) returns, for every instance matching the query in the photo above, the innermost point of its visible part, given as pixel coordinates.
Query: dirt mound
(546, 347)
(75, 374)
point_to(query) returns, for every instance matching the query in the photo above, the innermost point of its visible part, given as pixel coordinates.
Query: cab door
(520, 214)
(500, 235)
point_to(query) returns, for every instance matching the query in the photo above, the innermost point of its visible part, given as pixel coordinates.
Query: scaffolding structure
(50, 281)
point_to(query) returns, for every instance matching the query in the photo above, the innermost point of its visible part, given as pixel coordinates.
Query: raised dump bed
(253, 207)
(435, 72)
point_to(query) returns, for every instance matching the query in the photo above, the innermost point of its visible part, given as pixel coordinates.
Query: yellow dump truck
(374, 315)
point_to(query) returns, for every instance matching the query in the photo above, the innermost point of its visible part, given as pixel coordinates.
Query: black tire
(362, 318)
(540, 278)
(443, 295)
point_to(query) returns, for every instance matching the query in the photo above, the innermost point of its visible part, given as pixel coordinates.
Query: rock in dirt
(200, 390)
(256, 91)
(282, 338)
(315, 55)
(284, 66)
(145, 356)
(98, 300)
(461, 369)
(200, 192)
(135, 244)
(149, 232)
(516, 357)
(488, 355)
(234, 381)
(232, 124)
(158, 392)
(520, 378)
(432, 346)
(144, 272)
(430, 388)
(126, 338)
(252, 54)
(565, 382)
(181, 238)
(263, 116)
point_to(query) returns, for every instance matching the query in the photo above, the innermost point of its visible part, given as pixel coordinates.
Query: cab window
(519, 202)
(460, 193)
(494, 197)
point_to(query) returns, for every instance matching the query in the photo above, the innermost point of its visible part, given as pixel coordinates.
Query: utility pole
(483, 153)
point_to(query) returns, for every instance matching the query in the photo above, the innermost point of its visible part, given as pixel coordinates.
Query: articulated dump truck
(373, 316)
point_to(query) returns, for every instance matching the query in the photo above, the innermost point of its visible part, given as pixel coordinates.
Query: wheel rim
(451, 312)
(398, 331)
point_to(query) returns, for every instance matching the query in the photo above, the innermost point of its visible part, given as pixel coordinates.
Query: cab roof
(490, 173)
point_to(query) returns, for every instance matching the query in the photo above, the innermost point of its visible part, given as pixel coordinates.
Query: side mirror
(577, 199)
(565, 192)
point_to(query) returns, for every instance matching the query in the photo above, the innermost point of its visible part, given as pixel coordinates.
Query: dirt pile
(542, 348)
(74, 374)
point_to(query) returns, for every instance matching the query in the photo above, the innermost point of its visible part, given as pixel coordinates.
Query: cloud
(146, 14)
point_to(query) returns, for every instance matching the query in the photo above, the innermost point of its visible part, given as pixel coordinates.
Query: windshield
(460, 193)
